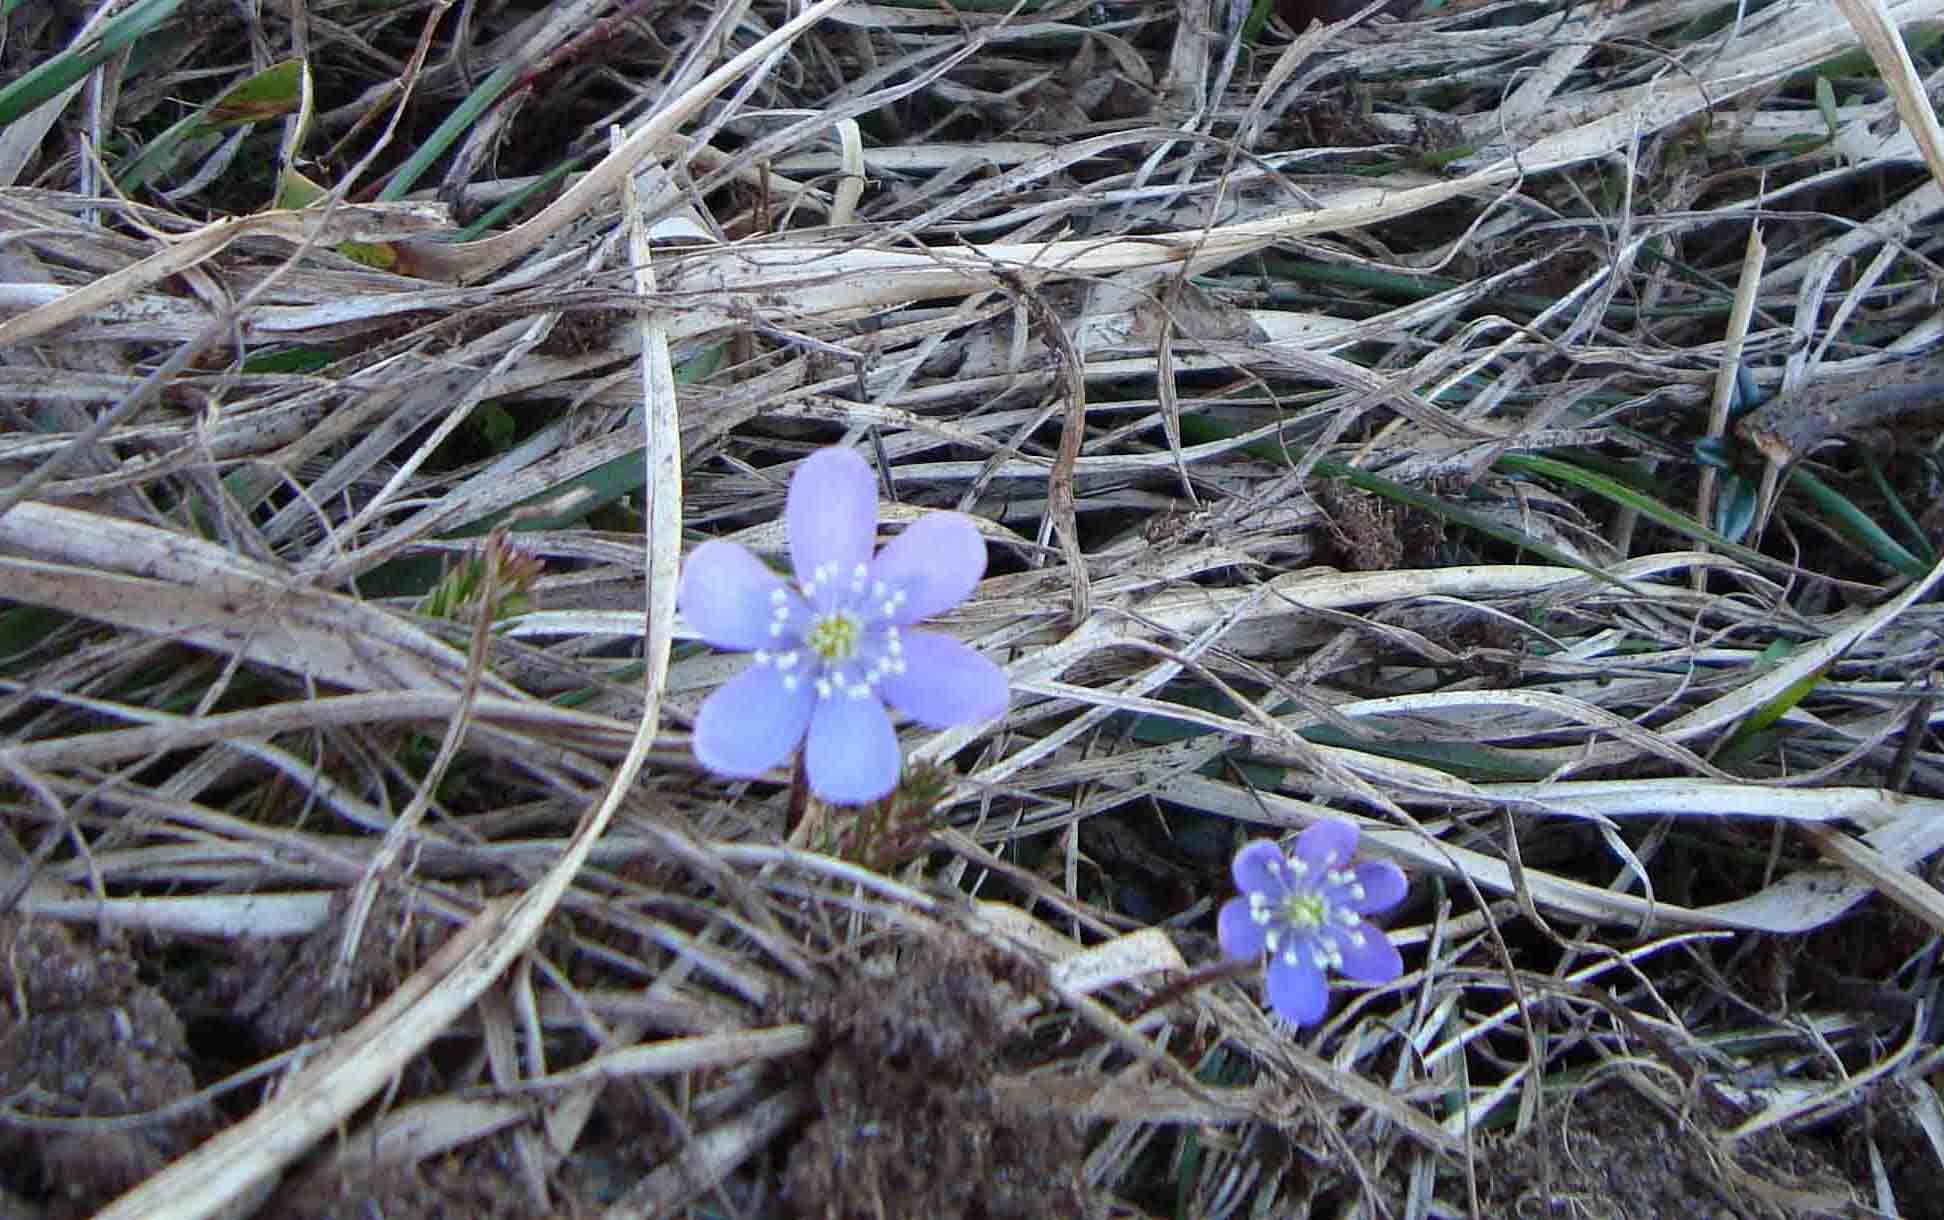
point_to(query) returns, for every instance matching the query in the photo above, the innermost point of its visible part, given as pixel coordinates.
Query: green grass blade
(512, 203)
(1855, 524)
(1900, 514)
(1612, 489)
(1199, 428)
(46, 81)
(448, 133)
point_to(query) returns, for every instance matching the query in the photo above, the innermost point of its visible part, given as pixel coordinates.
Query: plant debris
(1341, 411)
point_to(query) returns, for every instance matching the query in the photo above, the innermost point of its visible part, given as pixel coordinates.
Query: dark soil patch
(83, 1041)
(291, 992)
(1615, 1156)
(909, 1125)
(481, 1182)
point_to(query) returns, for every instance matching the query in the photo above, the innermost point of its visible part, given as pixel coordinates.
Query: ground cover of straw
(1348, 414)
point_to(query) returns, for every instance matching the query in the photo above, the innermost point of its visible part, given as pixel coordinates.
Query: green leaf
(1199, 428)
(497, 425)
(514, 202)
(25, 628)
(157, 156)
(1464, 759)
(1734, 510)
(289, 360)
(295, 191)
(270, 94)
(1258, 17)
(1899, 512)
(1763, 717)
(1627, 497)
(1826, 103)
(1856, 525)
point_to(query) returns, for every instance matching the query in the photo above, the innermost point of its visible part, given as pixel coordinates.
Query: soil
(909, 1123)
(905, 1121)
(286, 993)
(83, 1039)
(1611, 1155)
(480, 1183)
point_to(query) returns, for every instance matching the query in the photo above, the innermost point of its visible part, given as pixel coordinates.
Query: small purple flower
(1307, 911)
(831, 648)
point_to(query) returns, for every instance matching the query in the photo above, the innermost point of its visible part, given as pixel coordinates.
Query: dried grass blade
(359, 223)
(475, 260)
(348, 1073)
(1872, 22)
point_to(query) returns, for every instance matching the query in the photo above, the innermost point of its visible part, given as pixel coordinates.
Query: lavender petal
(751, 723)
(1241, 936)
(1375, 960)
(725, 595)
(1383, 886)
(831, 513)
(1327, 845)
(935, 563)
(1298, 993)
(852, 755)
(1258, 868)
(944, 682)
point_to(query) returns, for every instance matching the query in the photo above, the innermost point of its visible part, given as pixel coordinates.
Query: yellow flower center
(834, 636)
(1305, 910)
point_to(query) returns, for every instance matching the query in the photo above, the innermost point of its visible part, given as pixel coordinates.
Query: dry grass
(1284, 380)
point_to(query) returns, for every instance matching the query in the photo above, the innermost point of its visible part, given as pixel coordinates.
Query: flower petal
(935, 563)
(831, 513)
(1258, 868)
(853, 754)
(751, 723)
(1241, 935)
(1298, 991)
(1374, 960)
(1327, 845)
(944, 682)
(1383, 886)
(725, 596)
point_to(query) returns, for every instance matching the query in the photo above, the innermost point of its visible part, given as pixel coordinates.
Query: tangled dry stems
(235, 723)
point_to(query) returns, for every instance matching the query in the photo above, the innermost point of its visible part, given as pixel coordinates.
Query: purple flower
(831, 648)
(1307, 911)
